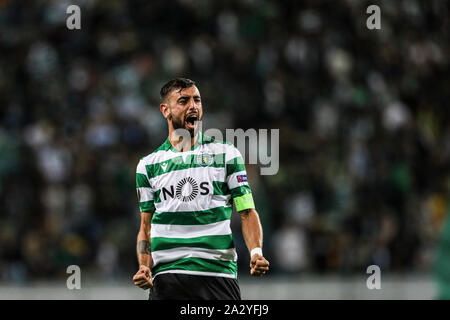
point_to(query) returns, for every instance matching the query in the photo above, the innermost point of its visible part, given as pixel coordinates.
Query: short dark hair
(177, 83)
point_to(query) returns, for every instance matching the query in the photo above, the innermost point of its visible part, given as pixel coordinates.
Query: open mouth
(190, 120)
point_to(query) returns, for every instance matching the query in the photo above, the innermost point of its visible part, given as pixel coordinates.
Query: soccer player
(186, 189)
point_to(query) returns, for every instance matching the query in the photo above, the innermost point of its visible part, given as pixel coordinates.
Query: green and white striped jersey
(192, 194)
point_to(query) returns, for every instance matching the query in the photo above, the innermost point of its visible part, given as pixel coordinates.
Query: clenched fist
(258, 265)
(143, 278)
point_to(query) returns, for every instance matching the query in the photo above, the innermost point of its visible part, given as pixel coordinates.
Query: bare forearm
(143, 278)
(251, 229)
(253, 235)
(143, 249)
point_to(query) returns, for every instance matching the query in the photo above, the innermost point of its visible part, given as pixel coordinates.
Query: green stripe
(193, 217)
(220, 188)
(240, 191)
(235, 165)
(146, 206)
(157, 196)
(206, 242)
(142, 181)
(198, 264)
(177, 163)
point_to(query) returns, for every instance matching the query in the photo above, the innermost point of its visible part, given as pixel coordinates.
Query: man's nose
(192, 105)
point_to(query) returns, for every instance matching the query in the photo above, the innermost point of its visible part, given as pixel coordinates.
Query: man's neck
(177, 141)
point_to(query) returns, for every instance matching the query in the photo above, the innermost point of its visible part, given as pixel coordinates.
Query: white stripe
(199, 174)
(232, 180)
(174, 254)
(219, 197)
(190, 231)
(211, 148)
(141, 168)
(199, 273)
(232, 153)
(146, 194)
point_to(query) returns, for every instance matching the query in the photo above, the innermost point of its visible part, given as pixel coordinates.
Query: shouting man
(186, 190)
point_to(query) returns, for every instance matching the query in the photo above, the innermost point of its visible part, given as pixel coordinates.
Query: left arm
(253, 235)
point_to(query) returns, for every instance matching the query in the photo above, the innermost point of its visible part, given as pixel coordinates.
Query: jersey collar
(200, 140)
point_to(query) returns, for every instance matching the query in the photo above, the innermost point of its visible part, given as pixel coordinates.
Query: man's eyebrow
(187, 97)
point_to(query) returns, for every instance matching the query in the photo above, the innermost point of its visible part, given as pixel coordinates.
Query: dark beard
(180, 125)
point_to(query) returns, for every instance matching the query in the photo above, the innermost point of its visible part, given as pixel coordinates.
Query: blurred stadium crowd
(363, 116)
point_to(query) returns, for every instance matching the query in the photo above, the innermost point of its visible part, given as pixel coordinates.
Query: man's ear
(164, 108)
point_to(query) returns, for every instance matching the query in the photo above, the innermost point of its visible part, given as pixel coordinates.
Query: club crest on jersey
(204, 159)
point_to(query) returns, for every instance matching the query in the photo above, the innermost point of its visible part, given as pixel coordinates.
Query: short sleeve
(144, 191)
(237, 180)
